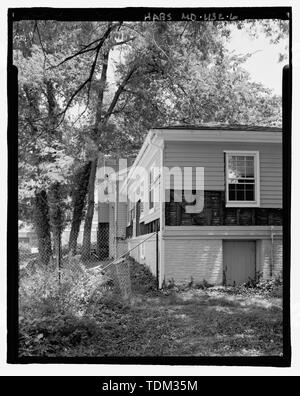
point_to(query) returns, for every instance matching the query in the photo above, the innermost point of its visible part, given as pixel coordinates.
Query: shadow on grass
(187, 323)
(201, 325)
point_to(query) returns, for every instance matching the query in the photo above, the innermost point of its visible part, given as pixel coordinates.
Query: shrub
(70, 293)
(203, 285)
(50, 334)
(56, 313)
(253, 282)
(142, 279)
(268, 288)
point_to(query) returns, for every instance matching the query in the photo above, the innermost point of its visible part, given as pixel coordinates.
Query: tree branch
(123, 107)
(118, 93)
(87, 49)
(123, 42)
(40, 40)
(103, 79)
(87, 81)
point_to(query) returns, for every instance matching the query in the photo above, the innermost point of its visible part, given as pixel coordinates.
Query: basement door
(238, 261)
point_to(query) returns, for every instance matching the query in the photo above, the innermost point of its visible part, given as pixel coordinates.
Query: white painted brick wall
(278, 258)
(150, 251)
(200, 259)
(268, 256)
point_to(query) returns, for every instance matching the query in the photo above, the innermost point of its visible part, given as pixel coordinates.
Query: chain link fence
(100, 249)
(107, 252)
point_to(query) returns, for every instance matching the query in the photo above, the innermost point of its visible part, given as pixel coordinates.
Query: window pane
(151, 176)
(231, 192)
(240, 178)
(250, 168)
(151, 200)
(240, 195)
(250, 192)
(240, 169)
(249, 195)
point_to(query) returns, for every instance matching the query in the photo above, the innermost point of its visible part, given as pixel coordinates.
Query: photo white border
(127, 370)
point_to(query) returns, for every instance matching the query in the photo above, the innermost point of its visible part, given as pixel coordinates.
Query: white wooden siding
(149, 215)
(211, 157)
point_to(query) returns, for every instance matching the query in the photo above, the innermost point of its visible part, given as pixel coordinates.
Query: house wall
(150, 251)
(151, 158)
(199, 259)
(148, 214)
(269, 257)
(211, 156)
(121, 228)
(103, 212)
(191, 251)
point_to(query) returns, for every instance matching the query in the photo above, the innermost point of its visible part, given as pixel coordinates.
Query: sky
(263, 66)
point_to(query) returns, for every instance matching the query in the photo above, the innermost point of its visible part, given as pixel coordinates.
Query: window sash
(151, 197)
(242, 178)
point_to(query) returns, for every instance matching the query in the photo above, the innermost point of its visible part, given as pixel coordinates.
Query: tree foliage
(86, 87)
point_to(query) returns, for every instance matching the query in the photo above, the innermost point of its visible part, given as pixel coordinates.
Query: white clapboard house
(214, 193)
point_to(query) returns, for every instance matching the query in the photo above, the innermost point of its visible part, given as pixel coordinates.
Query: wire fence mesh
(107, 252)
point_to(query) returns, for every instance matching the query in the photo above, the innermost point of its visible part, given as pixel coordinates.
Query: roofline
(223, 127)
(217, 135)
(142, 151)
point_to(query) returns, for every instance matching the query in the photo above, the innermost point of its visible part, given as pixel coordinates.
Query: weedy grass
(86, 317)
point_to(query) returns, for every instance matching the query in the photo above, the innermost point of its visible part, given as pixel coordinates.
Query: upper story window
(242, 178)
(142, 211)
(154, 175)
(130, 211)
(153, 186)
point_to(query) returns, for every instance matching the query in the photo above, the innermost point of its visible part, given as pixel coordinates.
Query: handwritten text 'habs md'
(151, 386)
(211, 16)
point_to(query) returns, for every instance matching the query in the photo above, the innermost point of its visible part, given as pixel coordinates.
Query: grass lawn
(194, 322)
(211, 323)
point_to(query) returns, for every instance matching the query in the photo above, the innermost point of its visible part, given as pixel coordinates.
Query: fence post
(58, 258)
(157, 261)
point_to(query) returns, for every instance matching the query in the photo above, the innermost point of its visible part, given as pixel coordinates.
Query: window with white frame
(131, 211)
(142, 210)
(242, 178)
(151, 187)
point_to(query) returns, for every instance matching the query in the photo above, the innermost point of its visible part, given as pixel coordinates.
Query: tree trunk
(100, 140)
(78, 198)
(42, 226)
(56, 219)
(40, 203)
(86, 243)
(55, 190)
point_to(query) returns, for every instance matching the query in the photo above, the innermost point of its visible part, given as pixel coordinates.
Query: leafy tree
(165, 73)
(45, 154)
